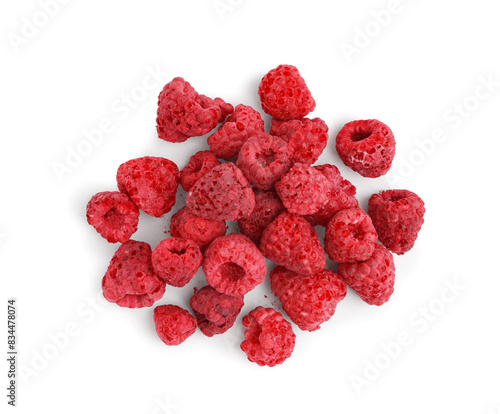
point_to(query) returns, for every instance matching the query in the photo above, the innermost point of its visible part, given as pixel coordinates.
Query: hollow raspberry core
(231, 270)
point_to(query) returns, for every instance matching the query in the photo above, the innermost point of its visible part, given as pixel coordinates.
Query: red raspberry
(202, 231)
(173, 324)
(183, 113)
(284, 94)
(373, 279)
(113, 215)
(232, 134)
(263, 159)
(199, 164)
(304, 189)
(343, 196)
(130, 280)
(309, 300)
(215, 311)
(222, 194)
(176, 260)
(307, 138)
(234, 265)
(290, 241)
(398, 216)
(350, 236)
(269, 339)
(151, 183)
(368, 147)
(267, 207)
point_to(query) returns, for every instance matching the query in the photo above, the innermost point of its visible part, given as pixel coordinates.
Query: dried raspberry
(202, 231)
(368, 147)
(151, 183)
(221, 194)
(130, 280)
(290, 241)
(304, 189)
(284, 94)
(113, 215)
(350, 236)
(343, 196)
(199, 164)
(269, 339)
(176, 260)
(398, 216)
(232, 134)
(307, 138)
(183, 113)
(215, 311)
(234, 265)
(173, 324)
(267, 207)
(309, 300)
(373, 279)
(263, 159)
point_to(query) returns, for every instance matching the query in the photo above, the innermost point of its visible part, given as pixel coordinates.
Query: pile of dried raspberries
(267, 183)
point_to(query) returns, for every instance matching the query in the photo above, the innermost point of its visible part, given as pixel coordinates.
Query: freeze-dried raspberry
(176, 260)
(309, 300)
(303, 189)
(183, 113)
(343, 196)
(367, 146)
(188, 225)
(267, 207)
(234, 265)
(151, 183)
(263, 159)
(215, 311)
(269, 339)
(221, 194)
(307, 138)
(113, 215)
(130, 280)
(373, 279)
(284, 94)
(350, 236)
(398, 216)
(199, 164)
(290, 241)
(173, 324)
(232, 134)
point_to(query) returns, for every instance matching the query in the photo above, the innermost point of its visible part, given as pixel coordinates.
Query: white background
(416, 74)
